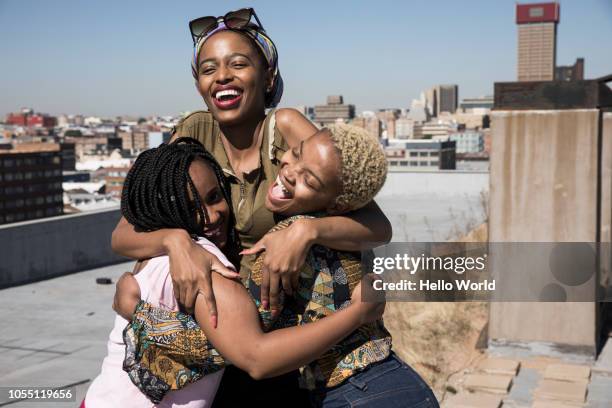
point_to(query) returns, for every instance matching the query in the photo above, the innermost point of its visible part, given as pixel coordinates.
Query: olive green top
(253, 219)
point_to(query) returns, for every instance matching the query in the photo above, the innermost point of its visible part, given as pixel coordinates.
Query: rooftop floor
(54, 332)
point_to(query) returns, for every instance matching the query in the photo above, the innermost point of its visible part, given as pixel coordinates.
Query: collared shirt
(253, 219)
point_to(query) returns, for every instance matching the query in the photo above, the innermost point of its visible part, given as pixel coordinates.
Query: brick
(496, 384)
(567, 372)
(499, 366)
(474, 400)
(554, 404)
(539, 363)
(562, 390)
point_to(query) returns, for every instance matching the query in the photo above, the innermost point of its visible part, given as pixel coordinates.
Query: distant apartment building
(134, 141)
(30, 182)
(93, 145)
(421, 155)
(407, 128)
(370, 123)
(469, 105)
(448, 98)
(335, 110)
(28, 118)
(468, 141)
(307, 111)
(430, 130)
(441, 98)
(114, 178)
(388, 118)
(570, 72)
(537, 40)
(68, 153)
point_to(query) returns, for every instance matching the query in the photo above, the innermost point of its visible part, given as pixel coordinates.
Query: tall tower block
(537, 40)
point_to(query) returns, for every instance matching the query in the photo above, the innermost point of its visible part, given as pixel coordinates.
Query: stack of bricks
(487, 387)
(562, 386)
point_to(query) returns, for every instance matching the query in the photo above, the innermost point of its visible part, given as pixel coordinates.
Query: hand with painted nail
(191, 268)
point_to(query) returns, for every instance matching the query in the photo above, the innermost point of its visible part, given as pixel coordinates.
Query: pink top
(112, 387)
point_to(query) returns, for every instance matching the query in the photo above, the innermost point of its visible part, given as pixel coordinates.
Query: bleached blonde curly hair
(363, 164)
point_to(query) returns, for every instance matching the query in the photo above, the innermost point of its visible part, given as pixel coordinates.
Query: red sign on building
(537, 13)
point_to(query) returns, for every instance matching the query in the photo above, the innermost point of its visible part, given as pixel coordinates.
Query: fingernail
(213, 319)
(265, 304)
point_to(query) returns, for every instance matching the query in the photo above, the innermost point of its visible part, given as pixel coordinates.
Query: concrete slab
(539, 363)
(475, 400)
(554, 404)
(504, 366)
(564, 391)
(496, 384)
(58, 332)
(600, 390)
(603, 365)
(567, 372)
(523, 386)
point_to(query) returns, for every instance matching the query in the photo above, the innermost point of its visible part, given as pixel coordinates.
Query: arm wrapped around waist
(166, 350)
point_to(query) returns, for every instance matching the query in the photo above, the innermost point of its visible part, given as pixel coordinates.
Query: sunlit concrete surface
(54, 332)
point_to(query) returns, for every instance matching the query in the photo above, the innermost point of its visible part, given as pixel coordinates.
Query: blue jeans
(388, 384)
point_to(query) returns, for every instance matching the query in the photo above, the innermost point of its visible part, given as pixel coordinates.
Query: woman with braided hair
(236, 71)
(180, 185)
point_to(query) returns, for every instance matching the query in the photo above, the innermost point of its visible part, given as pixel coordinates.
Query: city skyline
(111, 59)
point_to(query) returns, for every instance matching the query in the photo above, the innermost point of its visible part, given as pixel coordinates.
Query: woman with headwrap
(235, 65)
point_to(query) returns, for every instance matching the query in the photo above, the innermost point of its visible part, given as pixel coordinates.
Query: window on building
(434, 163)
(56, 160)
(39, 213)
(423, 163)
(9, 162)
(433, 154)
(403, 163)
(414, 154)
(414, 163)
(8, 177)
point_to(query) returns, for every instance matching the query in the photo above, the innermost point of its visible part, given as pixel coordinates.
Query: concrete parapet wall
(546, 186)
(42, 249)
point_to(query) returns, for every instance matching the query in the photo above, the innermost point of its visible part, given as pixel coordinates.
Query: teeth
(227, 92)
(280, 183)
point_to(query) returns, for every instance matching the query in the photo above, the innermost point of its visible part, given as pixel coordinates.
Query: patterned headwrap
(259, 37)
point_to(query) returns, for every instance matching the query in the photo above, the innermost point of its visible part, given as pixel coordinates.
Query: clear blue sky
(110, 57)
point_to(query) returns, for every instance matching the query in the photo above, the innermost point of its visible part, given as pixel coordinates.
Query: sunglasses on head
(200, 27)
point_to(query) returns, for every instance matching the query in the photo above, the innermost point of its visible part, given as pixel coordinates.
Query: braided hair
(155, 190)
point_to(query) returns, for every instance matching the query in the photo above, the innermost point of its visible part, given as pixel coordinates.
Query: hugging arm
(286, 249)
(240, 339)
(190, 264)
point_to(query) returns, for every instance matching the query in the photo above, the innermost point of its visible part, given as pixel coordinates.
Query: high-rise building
(421, 155)
(30, 182)
(448, 98)
(335, 110)
(440, 98)
(370, 123)
(537, 40)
